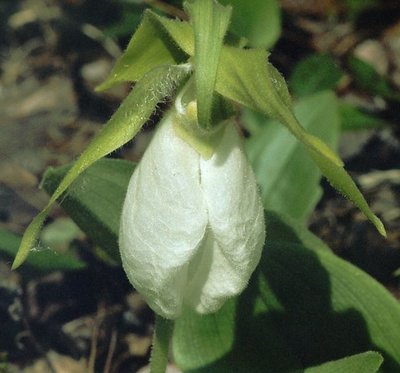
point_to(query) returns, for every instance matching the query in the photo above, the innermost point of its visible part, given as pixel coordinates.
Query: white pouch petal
(212, 278)
(235, 219)
(163, 220)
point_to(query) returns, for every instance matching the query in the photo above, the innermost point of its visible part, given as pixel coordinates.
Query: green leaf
(180, 31)
(290, 182)
(43, 259)
(259, 23)
(315, 73)
(354, 119)
(341, 310)
(303, 307)
(210, 22)
(95, 200)
(157, 41)
(122, 127)
(369, 79)
(245, 77)
(367, 362)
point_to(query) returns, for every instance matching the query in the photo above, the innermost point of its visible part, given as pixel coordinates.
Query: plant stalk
(160, 349)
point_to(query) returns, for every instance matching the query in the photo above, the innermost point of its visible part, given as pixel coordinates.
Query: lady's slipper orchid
(192, 229)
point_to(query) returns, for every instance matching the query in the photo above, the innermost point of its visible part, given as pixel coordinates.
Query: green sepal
(210, 22)
(44, 260)
(246, 77)
(157, 41)
(342, 181)
(122, 127)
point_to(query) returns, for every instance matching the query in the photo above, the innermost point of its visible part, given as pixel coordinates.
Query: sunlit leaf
(122, 127)
(245, 76)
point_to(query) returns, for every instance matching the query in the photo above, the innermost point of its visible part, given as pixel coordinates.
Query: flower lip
(192, 228)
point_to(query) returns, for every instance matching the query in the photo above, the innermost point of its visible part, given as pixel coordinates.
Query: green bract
(160, 56)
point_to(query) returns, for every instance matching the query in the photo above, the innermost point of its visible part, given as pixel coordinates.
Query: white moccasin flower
(192, 229)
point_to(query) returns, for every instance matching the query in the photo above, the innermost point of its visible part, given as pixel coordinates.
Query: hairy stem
(161, 339)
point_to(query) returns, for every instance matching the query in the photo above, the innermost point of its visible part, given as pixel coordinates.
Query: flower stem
(161, 339)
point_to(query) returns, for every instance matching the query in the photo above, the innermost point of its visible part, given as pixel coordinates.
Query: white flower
(192, 230)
